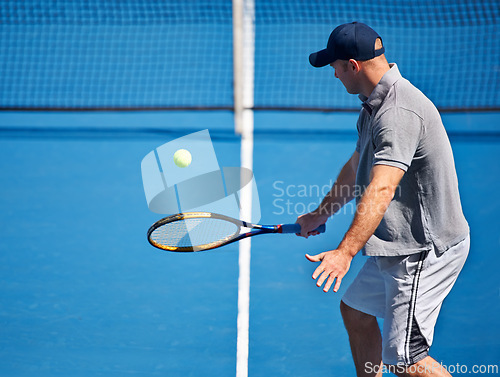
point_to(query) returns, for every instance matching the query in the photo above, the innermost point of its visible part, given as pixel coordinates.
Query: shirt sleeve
(396, 137)
(358, 128)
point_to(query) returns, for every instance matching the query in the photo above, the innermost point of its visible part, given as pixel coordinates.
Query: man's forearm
(341, 193)
(369, 213)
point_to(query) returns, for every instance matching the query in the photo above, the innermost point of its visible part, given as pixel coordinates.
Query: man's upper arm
(386, 176)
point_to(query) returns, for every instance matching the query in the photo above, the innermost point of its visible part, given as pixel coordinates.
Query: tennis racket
(198, 231)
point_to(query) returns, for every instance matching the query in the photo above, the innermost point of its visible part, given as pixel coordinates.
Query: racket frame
(237, 236)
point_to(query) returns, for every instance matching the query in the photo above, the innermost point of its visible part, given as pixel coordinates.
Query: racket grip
(295, 228)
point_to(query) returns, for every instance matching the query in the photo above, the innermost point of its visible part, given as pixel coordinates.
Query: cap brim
(321, 58)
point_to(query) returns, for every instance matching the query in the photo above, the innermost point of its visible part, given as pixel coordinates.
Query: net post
(243, 63)
(238, 65)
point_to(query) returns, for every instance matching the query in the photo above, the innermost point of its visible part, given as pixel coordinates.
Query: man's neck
(373, 75)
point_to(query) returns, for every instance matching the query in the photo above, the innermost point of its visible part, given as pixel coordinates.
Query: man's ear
(354, 65)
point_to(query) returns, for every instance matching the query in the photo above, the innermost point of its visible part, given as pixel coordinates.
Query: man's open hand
(334, 266)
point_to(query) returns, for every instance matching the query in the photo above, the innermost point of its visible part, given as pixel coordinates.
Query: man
(408, 218)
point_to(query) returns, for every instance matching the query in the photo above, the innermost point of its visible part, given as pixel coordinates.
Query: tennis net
(144, 54)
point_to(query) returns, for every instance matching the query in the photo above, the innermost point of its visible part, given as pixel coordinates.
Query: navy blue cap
(348, 41)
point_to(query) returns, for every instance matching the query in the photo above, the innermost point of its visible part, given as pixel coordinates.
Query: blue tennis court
(83, 293)
(89, 88)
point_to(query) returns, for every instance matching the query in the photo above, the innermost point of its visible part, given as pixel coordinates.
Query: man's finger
(303, 233)
(337, 284)
(329, 283)
(318, 271)
(322, 278)
(315, 258)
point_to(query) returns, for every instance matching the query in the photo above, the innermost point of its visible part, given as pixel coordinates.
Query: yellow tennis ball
(182, 158)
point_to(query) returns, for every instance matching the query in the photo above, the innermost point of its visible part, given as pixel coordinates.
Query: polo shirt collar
(372, 103)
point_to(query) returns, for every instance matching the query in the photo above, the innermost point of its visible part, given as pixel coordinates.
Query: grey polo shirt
(398, 126)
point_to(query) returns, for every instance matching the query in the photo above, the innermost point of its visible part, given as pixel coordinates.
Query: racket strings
(193, 232)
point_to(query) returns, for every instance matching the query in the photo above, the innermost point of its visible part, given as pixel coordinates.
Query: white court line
(242, 341)
(243, 321)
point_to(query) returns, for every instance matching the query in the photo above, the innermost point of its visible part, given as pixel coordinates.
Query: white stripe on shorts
(413, 301)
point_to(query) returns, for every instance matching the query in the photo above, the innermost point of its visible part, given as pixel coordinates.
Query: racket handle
(295, 228)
